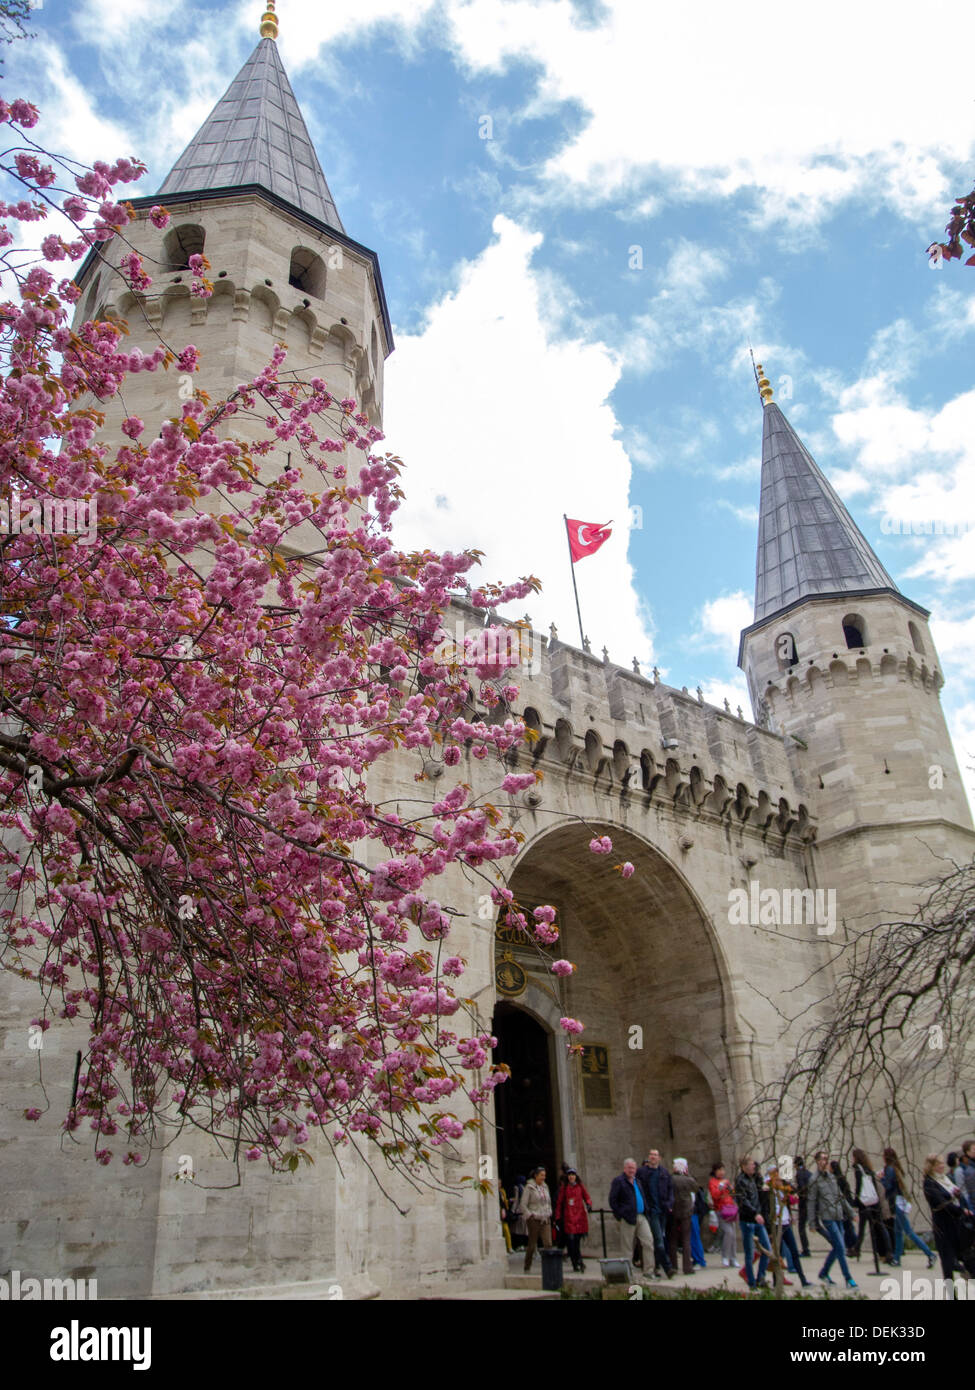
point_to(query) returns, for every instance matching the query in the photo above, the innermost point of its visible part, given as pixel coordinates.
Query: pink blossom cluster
(258, 946)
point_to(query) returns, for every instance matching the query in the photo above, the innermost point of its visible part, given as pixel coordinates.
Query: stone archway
(650, 986)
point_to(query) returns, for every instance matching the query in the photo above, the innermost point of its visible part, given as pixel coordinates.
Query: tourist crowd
(660, 1211)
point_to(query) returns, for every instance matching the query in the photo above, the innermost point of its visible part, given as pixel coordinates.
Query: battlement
(638, 737)
(852, 668)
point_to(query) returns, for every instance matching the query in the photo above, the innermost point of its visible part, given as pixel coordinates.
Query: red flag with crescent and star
(585, 537)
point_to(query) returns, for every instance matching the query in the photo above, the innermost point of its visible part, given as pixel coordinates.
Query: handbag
(902, 1204)
(729, 1211)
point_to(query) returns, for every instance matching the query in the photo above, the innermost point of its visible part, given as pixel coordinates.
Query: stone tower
(249, 193)
(843, 666)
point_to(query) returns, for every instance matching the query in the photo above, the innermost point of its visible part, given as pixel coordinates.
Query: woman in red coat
(571, 1208)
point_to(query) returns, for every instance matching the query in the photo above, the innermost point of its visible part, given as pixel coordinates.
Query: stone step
(512, 1295)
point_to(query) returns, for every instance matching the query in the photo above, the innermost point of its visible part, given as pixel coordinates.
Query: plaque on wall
(597, 1088)
(509, 937)
(509, 977)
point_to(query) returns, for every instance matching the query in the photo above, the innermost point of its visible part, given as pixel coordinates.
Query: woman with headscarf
(685, 1189)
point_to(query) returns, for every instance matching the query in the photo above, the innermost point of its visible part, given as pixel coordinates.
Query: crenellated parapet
(278, 276)
(850, 669)
(650, 746)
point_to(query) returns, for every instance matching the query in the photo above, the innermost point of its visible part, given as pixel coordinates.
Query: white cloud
(860, 102)
(721, 620)
(857, 91)
(717, 691)
(71, 123)
(719, 625)
(920, 465)
(748, 515)
(511, 426)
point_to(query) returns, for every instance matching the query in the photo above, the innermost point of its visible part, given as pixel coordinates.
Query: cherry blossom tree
(194, 708)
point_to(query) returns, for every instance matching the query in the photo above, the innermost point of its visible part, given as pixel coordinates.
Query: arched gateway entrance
(650, 988)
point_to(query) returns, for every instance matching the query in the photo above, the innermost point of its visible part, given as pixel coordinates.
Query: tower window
(180, 244)
(785, 650)
(532, 719)
(854, 630)
(307, 272)
(916, 637)
(374, 350)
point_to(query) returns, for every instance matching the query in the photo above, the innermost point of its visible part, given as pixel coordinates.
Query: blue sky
(573, 296)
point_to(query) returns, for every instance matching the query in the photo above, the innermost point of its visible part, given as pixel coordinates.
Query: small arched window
(180, 244)
(307, 272)
(374, 350)
(621, 759)
(916, 637)
(785, 650)
(854, 630)
(593, 749)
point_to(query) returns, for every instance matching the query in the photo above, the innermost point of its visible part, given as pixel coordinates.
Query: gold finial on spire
(764, 385)
(269, 22)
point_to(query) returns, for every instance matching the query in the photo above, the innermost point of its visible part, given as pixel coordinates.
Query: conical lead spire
(256, 135)
(808, 543)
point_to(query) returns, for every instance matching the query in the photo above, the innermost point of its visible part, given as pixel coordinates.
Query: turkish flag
(585, 537)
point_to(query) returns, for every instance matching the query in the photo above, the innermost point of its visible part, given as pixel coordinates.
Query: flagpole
(572, 566)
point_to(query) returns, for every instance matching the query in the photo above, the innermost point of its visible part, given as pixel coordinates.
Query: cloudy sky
(585, 211)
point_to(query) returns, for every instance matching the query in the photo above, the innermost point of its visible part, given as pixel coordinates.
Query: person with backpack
(895, 1186)
(571, 1208)
(726, 1210)
(871, 1202)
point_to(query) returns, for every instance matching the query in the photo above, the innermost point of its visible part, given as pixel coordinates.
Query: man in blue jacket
(659, 1186)
(629, 1203)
